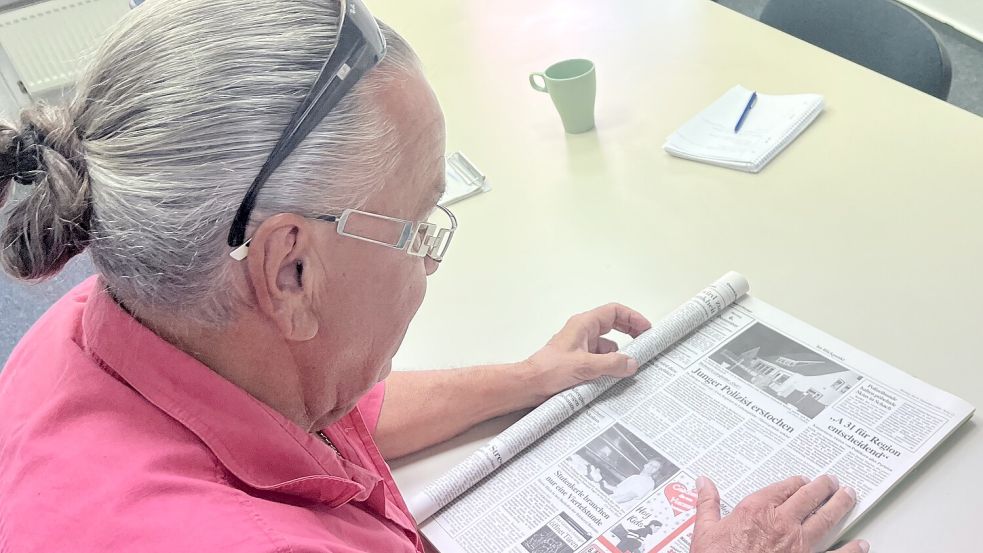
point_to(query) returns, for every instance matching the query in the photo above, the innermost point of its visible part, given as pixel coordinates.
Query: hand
(792, 516)
(579, 352)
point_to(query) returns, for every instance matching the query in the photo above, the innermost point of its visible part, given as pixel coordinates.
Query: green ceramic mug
(572, 86)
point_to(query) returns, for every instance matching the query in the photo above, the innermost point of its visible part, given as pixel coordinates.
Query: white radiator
(46, 42)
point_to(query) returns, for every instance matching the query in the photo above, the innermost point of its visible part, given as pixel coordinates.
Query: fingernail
(851, 492)
(632, 364)
(836, 481)
(701, 483)
(864, 546)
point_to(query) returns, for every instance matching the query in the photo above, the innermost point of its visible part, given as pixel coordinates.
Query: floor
(965, 52)
(21, 304)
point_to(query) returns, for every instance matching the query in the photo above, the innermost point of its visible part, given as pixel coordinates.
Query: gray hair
(171, 121)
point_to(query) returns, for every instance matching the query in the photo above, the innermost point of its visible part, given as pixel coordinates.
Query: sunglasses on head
(359, 48)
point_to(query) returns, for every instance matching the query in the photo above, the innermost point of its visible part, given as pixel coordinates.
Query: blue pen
(747, 109)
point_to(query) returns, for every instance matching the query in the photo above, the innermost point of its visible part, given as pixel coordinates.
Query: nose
(430, 264)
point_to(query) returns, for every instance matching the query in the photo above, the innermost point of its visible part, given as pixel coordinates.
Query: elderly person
(256, 182)
(633, 487)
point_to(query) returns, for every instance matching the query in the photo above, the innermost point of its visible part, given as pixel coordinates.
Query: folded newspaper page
(687, 317)
(751, 397)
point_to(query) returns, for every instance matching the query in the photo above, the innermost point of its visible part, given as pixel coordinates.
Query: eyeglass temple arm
(301, 124)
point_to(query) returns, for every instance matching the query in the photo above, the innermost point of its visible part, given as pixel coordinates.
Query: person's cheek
(419, 291)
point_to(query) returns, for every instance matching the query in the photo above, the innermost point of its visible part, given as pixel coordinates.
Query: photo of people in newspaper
(621, 465)
(785, 369)
(632, 540)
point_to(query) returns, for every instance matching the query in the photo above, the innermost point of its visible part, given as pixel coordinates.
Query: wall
(11, 97)
(966, 16)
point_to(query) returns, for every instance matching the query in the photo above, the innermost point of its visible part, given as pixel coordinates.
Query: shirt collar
(257, 444)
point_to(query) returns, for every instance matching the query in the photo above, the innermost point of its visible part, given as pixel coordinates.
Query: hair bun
(22, 161)
(50, 225)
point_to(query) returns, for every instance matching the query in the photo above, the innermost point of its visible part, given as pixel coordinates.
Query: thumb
(707, 504)
(609, 364)
(856, 546)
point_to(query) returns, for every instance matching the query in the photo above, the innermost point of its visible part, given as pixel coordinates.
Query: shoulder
(111, 496)
(89, 465)
(99, 491)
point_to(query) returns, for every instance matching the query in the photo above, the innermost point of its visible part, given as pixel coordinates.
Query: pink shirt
(113, 440)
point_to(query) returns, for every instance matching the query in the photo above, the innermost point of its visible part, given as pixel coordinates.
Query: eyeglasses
(360, 47)
(429, 238)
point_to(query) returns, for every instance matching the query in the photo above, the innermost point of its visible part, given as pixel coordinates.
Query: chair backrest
(878, 34)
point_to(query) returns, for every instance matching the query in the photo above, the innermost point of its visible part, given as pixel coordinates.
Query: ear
(278, 256)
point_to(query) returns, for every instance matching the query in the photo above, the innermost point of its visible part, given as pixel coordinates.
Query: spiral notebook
(772, 124)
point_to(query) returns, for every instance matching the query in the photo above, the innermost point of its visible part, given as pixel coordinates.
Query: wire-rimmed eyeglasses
(418, 238)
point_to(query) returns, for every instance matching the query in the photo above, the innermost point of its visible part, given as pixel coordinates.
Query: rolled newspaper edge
(686, 318)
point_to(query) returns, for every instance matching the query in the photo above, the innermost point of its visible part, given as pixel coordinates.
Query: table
(867, 227)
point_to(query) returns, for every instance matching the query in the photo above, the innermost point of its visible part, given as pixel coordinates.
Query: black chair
(878, 34)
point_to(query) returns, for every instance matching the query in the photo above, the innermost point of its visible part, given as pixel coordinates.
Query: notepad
(771, 125)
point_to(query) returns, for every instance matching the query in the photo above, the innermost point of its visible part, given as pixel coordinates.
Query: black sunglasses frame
(359, 48)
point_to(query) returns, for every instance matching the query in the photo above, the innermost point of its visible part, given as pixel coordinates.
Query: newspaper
(705, 305)
(730, 388)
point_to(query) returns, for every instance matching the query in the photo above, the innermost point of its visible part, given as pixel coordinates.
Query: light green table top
(868, 226)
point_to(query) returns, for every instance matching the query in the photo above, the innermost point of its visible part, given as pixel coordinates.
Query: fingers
(810, 497)
(593, 365)
(602, 320)
(856, 546)
(605, 346)
(779, 492)
(817, 526)
(707, 504)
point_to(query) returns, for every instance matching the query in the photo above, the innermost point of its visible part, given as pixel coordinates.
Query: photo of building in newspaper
(785, 369)
(621, 465)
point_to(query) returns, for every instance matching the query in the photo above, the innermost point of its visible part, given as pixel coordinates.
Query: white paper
(462, 180)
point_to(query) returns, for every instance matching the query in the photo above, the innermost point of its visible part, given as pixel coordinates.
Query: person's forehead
(414, 184)
(438, 177)
(426, 151)
(418, 178)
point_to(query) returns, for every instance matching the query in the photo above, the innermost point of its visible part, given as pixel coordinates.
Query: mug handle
(535, 85)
